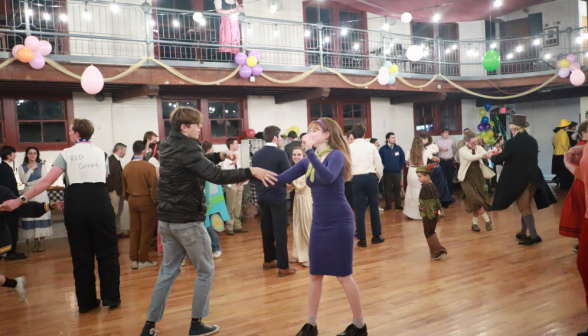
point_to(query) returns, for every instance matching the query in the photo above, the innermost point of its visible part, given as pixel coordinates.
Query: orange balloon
(24, 55)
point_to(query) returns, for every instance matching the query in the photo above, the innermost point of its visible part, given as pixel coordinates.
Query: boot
(436, 245)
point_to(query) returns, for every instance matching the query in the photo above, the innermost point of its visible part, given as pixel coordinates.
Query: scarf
(310, 171)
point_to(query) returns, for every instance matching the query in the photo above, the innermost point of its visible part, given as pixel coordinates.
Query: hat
(564, 123)
(426, 169)
(573, 123)
(519, 120)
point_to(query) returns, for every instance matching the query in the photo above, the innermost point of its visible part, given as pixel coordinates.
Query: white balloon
(384, 78)
(414, 53)
(383, 70)
(406, 17)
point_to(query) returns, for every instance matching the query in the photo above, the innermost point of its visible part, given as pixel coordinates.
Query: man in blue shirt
(393, 159)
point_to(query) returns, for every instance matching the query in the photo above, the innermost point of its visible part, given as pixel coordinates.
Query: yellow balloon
(490, 134)
(393, 68)
(491, 123)
(251, 61)
(295, 129)
(564, 63)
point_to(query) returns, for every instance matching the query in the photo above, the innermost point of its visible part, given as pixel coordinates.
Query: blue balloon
(387, 64)
(488, 106)
(392, 79)
(485, 120)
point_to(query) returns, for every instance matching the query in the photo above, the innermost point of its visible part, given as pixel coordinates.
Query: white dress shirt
(229, 165)
(365, 158)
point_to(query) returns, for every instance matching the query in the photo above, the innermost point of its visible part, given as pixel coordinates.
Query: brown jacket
(140, 179)
(114, 179)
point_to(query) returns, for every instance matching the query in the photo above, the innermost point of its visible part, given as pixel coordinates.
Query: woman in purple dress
(332, 229)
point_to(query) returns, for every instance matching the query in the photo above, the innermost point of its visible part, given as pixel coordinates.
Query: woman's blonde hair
(469, 135)
(519, 129)
(416, 152)
(336, 140)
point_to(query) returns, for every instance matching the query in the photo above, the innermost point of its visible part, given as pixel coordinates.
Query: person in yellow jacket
(561, 144)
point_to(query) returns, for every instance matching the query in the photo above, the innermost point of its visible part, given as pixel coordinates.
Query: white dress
(413, 189)
(41, 226)
(302, 217)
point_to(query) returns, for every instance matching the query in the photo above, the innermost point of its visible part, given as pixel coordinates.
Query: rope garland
(554, 77)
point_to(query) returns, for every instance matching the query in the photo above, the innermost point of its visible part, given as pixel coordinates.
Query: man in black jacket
(8, 180)
(181, 211)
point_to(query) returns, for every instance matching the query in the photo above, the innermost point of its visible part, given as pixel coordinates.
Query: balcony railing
(94, 32)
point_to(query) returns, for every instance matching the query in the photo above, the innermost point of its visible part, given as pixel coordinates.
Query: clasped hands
(13, 204)
(493, 152)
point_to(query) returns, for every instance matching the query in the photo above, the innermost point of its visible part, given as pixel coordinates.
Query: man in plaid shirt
(447, 150)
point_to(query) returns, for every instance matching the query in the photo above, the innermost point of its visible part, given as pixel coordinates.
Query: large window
(433, 117)
(345, 113)
(167, 107)
(225, 119)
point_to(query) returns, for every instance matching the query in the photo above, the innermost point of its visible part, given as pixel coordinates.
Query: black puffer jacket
(184, 170)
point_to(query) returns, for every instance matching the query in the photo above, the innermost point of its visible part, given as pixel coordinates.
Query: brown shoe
(123, 235)
(284, 273)
(270, 265)
(241, 230)
(230, 232)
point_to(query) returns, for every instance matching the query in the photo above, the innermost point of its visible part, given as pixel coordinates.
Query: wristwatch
(24, 199)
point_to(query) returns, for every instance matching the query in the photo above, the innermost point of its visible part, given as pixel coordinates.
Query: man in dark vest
(115, 185)
(8, 180)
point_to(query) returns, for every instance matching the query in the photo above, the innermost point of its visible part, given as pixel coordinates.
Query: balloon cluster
(486, 125)
(32, 52)
(387, 73)
(569, 66)
(249, 64)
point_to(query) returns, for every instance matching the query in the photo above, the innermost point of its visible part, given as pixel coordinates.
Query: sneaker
(475, 227)
(217, 254)
(520, 236)
(135, 264)
(489, 226)
(308, 330)
(439, 255)
(531, 241)
(149, 330)
(380, 209)
(146, 264)
(20, 288)
(378, 239)
(352, 330)
(201, 329)
(575, 248)
(362, 243)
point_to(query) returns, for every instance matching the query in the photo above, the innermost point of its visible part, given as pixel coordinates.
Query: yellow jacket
(561, 142)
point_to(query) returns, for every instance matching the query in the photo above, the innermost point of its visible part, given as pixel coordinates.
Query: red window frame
(436, 114)
(338, 111)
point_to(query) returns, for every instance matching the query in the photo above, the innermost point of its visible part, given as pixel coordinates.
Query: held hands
(307, 142)
(10, 205)
(265, 176)
(58, 205)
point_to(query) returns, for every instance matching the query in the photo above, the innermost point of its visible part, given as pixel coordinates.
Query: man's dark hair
(138, 147)
(270, 132)
(230, 141)
(373, 140)
(84, 128)
(5, 151)
(358, 131)
(148, 135)
(389, 134)
(206, 146)
(302, 135)
(444, 129)
(292, 135)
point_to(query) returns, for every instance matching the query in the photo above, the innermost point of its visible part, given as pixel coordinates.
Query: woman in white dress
(31, 171)
(301, 214)
(418, 157)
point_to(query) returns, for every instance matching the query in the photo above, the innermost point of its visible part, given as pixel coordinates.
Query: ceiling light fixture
(497, 3)
(406, 17)
(114, 7)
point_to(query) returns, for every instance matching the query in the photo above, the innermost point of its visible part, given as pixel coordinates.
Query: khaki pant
(143, 223)
(234, 201)
(118, 203)
(524, 201)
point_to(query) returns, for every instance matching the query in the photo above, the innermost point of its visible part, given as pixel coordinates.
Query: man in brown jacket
(115, 186)
(140, 190)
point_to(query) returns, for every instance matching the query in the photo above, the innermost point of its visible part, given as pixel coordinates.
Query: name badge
(396, 154)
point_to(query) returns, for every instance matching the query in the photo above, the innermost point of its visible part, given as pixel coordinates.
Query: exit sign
(503, 110)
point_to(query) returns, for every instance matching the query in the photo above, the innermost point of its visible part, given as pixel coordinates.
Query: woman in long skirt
(438, 177)
(229, 27)
(418, 157)
(302, 213)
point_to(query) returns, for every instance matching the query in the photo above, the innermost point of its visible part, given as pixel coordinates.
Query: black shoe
(15, 256)
(378, 239)
(111, 304)
(583, 333)
(388, 207)
(84, 310)
(149, 329)
(400, 207)
(201, 329)
(521, 236)
(531, 241)
(362, 243)
(575, 248)
(308, 330)
(352, 330)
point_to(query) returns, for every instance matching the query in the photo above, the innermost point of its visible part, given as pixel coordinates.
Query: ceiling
(450, 10)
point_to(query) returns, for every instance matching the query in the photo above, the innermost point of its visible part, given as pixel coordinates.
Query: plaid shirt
(450, 145)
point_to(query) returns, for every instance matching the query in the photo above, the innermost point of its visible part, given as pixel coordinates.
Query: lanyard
(137, 157)
(83, 140)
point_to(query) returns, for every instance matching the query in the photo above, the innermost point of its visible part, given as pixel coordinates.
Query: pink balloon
(92, 80)
(256, 70)
(32, 43)
(16, 48)
(245, 71)
(564, 72)
(384, 78)
(571, 58)
(574, 66)
(38, 61)
(45, 48)
(256, 54)
(241, 58)
(577, 78)
(559, 64)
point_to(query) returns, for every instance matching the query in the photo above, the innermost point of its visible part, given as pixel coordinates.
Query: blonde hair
(519, 129)
(416, 152)
(469, 135)
(336, 140)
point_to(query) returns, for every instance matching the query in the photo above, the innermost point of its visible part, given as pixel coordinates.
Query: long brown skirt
(473, 187)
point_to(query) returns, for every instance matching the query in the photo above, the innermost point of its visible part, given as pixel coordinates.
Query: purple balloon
(481, 127)
(241, 58)
(564, 72)
(256, 54)
(38, 61)
(245, 71)
(487, 127)
(256, 70)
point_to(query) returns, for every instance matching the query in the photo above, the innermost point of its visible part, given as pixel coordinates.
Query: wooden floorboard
(488, 285)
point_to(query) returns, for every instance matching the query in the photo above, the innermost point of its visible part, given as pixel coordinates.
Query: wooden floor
(487, 285)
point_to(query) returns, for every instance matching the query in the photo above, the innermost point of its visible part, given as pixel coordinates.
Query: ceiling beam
(418, 98)
(545, 95)
(135, 92)
(302, 95)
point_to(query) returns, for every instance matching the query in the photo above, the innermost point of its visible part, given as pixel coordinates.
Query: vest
(86, 163)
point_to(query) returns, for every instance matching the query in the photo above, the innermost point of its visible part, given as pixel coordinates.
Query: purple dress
(332, 229)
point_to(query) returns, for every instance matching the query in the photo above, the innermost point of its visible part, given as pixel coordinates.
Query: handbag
(486, 171)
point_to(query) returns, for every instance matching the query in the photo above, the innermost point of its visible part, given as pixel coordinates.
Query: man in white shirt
(367, 170)
(234, 194)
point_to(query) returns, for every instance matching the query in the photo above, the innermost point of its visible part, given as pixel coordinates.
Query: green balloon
(483, 134)
(491, 60)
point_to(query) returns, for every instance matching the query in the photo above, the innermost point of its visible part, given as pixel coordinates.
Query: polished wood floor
(487, 285)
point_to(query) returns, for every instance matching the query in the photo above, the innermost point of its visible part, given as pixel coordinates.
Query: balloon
(481, 127)
(558, 64)
(574, 66)
(245, 71)
(564, 72)
(251, 61)
(92, 80)
(393, 68)
(482, 112)
(492, 142)
(384, 78)
(250, 133)
(392, 79)
(383, 70)
(241, 58)
(485, 120)
(490, 134)
(38, 61)
(414, 53)
(571, 58)
(491, 60)
(564, 63)
(24, 54)
(387, 64)
(577, 78)
(295, 129)
(483, 134)
(32, 43)
(488, 106)
(256, 54)
(16, 48)
(487, 127)
(491, 123)
(256, 70)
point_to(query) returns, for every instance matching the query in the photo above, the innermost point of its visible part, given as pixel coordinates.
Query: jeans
(213, 239)
(178, 240)
(365, 193)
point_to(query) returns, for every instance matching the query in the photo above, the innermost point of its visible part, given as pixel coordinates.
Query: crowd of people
(332, 179)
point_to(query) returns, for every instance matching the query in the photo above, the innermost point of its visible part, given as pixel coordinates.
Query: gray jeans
(178, 240)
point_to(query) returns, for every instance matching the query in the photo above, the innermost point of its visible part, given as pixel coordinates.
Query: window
(432, 117)
(225, 119)
(345, 113)
(168, 106)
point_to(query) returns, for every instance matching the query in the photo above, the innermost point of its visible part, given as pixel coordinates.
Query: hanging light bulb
(426, 53)
(356, 46)
(493, 45)
(476, 53)
(536, 42)
(547, 56)
(152, 22)
(176, 23)
(327, 39)
(307, 33)
(385, 26)
(519, 48)
(46, 17)
(344, 31)
(497, 3)
(509, 56)
(436, 17)
(454, 47)
(585, 36)
(406, 17)
(447, 51)
(197, 16)
(579, 39)
(234, 17)
(29, 12)
(276, 32)
(273, 7)
(87, 15)
(114, 7)
(387, 51)
(63, 17)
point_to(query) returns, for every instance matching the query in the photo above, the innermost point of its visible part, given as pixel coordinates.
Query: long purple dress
(332, 229)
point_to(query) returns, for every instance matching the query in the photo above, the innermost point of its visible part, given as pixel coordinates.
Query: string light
(152, 22)
(202, 22)
(493, 45)
(536, 42)
(426, 53)
(579, 39)
(276, 32)
(406, 17)
(454, 47)
(29, 12)
(87, 15)
(387, 51)
(436, 17)
(176, 23)
(273, 7)
(356, 46)
(47, 17)
(197, 16)
(114, 7)
(63, 17)
(327, 39)
(385, 26)
(497, 3)
(585, 36)
(447, 51)
(307, 33)
(509, 56)
(519, 49)
(344, 31)
(547, 56)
